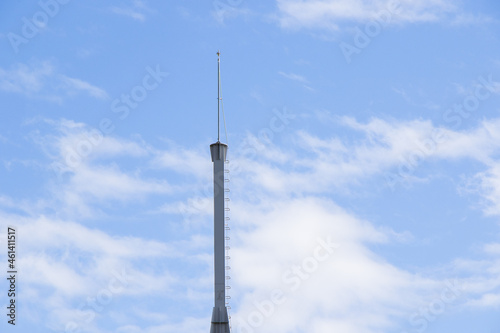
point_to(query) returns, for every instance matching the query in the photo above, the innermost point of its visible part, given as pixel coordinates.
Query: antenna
(220, 102)
(218, 96)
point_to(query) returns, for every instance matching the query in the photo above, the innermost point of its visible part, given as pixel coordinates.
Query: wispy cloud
(42, 80)
(182, 161)
(297, 78)
(67, 264)
(487, 185)
(73, 84)
(82, 156)
(294, 77)
(223, 11)
(130, 12)
(136, 10)
(90, 184)
(330, 13)
(25, 79)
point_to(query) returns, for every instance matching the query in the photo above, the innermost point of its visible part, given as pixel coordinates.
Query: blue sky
(364, 149)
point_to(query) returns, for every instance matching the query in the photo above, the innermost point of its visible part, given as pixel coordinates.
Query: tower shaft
(220, 320)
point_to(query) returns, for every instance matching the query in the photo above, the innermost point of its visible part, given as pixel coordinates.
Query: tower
(218, 150)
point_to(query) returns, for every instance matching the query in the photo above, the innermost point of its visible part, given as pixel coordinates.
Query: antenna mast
(218, 96)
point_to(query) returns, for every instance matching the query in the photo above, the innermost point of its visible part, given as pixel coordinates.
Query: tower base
(220, 321)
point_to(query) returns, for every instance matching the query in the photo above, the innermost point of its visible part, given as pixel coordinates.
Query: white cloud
(137, 10)
(283, 213)
(330, 13)
(294, 77)
(44, 234)
(486, 300)
(85, 143)
(41, 80)
(77, 85)
(67, 267)
(228, 10)
(384, 148)
(130, 12)
(80, 159)
(480, 143)
(287, 228)
(330, 162)
(51, 272)
(492, 248)
(112, 147)
(469, 19)
(487, 185)
(99, 183)
(297, 78)
(183, 160)
(200, 206)
(350, 282)
(483, 284)
(23, 79)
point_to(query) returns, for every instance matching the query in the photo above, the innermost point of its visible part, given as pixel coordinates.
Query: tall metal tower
(218, 150)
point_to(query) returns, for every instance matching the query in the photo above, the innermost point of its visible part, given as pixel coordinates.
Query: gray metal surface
(220, 320)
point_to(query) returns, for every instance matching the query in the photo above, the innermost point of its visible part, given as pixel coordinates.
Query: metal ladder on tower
(227, 228)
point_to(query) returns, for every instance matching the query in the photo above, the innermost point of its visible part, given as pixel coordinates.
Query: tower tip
(219, 100)
(218, 95)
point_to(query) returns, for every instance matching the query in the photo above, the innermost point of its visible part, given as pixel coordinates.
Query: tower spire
(218, 96)
(218, 150)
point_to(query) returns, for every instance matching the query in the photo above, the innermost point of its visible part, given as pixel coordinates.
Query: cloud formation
(42, 80)
(328, 14)
(298, 253)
